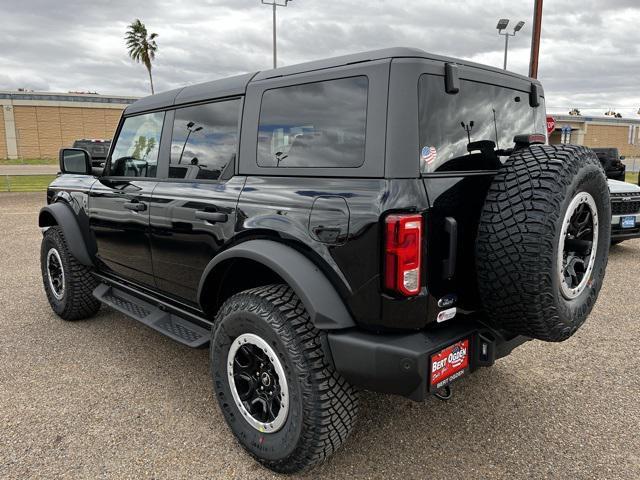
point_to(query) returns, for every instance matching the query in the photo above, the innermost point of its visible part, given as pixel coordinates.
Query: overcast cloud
(589, 55)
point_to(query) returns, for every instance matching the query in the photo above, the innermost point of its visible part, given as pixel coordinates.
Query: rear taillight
(403, 253)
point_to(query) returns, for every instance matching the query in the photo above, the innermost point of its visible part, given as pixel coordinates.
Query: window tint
(465, 131)
(320, 124)
(136, 151)
(205, 140)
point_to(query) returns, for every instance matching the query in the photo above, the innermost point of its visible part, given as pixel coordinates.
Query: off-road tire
(323, 406)
(77, 302)
(519, 235)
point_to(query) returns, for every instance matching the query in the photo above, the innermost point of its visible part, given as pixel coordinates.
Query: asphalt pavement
(111, 398)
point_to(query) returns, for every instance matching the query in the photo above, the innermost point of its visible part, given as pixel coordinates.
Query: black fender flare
(66, 219)
(322, 301)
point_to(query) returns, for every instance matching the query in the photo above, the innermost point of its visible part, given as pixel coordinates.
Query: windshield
(463, 132)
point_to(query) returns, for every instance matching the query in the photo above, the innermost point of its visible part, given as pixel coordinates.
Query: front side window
(321, 124)
(470, 129)
(205, 140)
(136, 151)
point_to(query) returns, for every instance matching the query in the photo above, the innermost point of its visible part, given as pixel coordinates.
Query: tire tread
(334, 402)
(517, 236)
(80, 302)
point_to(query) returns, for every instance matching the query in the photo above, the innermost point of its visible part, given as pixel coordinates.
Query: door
(193, 210)
(119, 201)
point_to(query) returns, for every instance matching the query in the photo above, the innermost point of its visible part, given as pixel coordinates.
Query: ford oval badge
(448, 301)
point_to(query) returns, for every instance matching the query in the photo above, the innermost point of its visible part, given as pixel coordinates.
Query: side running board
(169, 324)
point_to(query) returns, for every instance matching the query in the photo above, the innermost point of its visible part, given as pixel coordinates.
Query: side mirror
(621, 157)
(75, 160)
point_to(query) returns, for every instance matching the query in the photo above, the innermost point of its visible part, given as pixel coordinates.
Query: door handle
(136, 206)
(211, 217)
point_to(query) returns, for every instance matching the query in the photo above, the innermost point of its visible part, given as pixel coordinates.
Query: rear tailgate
(452, 226)
(464, 138)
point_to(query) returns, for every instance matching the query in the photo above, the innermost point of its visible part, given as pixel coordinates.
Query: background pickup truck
(625, 211)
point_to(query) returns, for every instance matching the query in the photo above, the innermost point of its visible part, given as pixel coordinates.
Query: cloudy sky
(590, 53)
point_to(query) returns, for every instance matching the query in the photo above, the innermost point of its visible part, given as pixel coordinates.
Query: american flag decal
(428, 155)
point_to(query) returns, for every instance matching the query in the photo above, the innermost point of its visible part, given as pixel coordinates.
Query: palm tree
(142, 48)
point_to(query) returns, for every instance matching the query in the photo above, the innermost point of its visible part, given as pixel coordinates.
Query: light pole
(535, 39)
(275, 4)
(502, 25)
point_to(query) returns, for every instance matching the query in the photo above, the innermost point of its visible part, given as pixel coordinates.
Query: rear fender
(322, 301)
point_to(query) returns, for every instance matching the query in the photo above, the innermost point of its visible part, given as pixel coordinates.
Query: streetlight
(275, 4)
(502, 26)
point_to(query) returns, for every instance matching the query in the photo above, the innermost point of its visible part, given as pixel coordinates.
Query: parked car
(611, 162)
(355, 235)
(97, 149)
(625, 211)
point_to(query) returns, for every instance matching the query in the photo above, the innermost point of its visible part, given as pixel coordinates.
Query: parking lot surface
(111, 398)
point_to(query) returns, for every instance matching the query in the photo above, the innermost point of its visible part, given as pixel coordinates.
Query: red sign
(551, 125)
(449, 363)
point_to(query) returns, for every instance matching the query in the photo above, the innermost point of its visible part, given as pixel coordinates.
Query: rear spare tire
(543, 241)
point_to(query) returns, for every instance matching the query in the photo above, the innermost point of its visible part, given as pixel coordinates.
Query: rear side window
(319, 124)
(136, 151)
(204, 140)
(465, 131)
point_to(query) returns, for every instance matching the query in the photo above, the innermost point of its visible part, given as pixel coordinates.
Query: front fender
(62, 215)
(325, 307)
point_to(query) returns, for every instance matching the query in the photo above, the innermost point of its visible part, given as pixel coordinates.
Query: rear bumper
(620, 235)
(399, 363)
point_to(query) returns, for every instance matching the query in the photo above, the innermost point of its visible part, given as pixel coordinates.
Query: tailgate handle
(449, 265)
(211, 217)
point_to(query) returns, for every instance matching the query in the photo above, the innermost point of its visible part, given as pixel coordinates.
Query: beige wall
(612, 136)
(3, 138)
(27, 132)
(41, 130)
(600, 135)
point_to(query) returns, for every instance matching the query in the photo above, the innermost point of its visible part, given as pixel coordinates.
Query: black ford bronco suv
(390, 221)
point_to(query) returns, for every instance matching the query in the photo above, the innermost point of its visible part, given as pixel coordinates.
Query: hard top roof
(233, 86)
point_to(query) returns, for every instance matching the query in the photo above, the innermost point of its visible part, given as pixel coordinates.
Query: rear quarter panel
(282, 207)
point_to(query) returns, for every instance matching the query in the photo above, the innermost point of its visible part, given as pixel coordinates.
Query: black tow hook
(443, 394)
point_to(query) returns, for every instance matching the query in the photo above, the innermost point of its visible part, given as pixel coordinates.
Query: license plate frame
(628, 221)
(449, 364)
